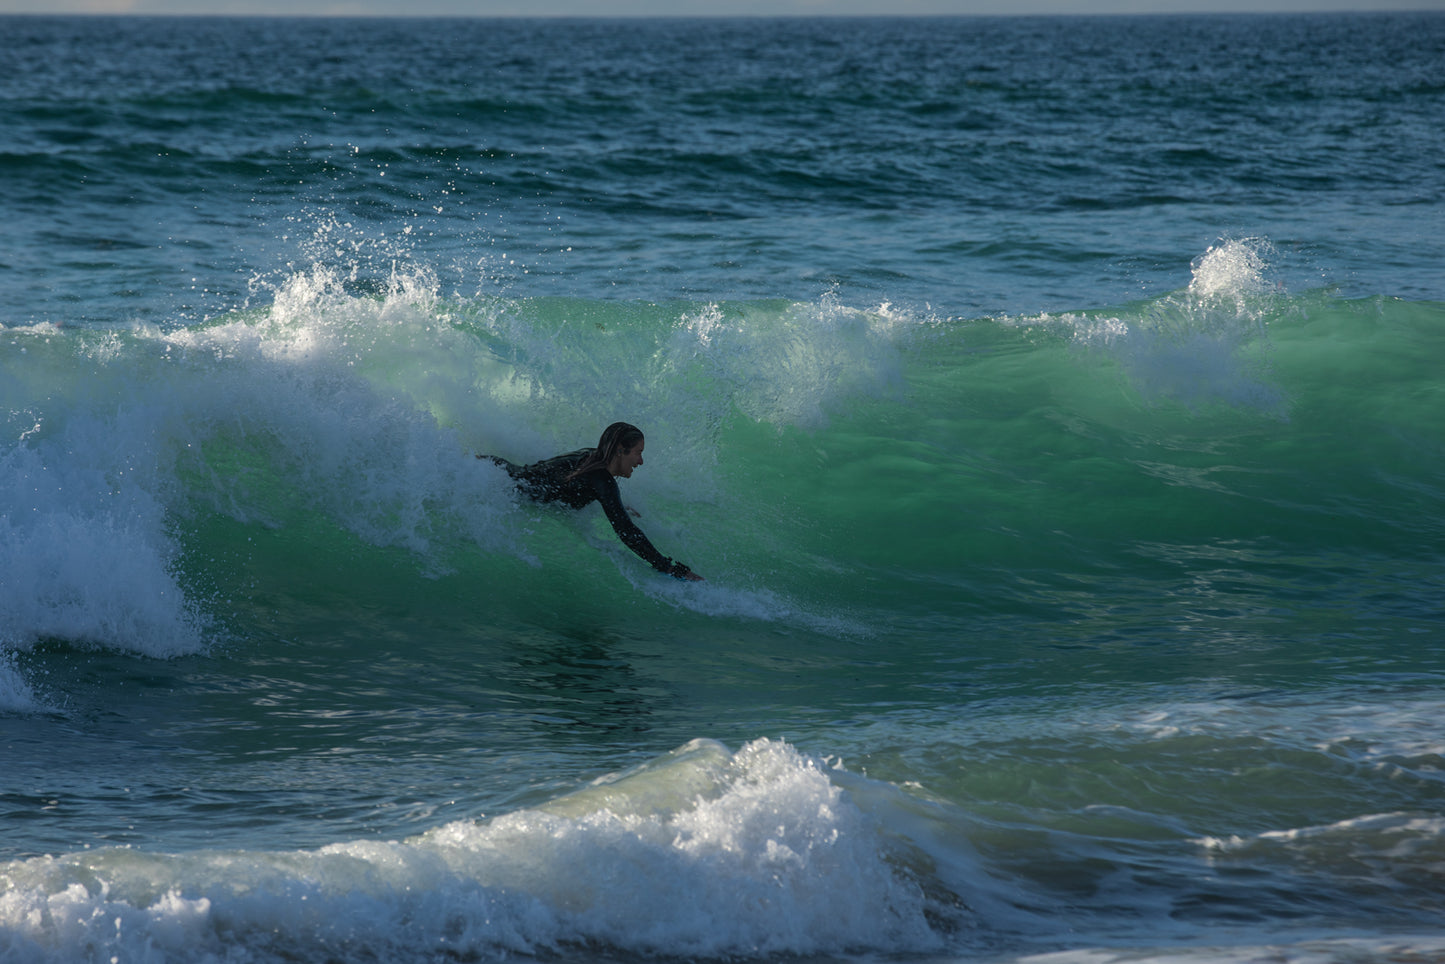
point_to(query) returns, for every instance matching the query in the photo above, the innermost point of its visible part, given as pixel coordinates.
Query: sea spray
(1206, 346)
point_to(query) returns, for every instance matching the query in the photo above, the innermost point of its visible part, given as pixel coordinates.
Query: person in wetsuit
(579, 478)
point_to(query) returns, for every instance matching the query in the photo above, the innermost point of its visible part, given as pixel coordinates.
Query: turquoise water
(1061, 444)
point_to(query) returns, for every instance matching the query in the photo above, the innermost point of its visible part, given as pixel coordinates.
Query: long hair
(617, 437)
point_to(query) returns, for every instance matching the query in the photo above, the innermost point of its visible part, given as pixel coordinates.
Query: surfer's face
(625, 461)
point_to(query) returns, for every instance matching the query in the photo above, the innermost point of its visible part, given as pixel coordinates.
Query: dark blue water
(1052, 404)
(983, 165)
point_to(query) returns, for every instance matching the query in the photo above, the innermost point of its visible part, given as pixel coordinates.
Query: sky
(612, 8)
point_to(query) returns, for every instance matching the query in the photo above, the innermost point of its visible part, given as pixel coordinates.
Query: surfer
(578, 478)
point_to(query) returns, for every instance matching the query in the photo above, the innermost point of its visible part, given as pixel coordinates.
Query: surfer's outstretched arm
(634, 538)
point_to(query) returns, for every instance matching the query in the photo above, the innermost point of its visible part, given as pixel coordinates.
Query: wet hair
(617, 437)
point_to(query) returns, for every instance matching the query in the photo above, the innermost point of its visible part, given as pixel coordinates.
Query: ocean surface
(1054, 406)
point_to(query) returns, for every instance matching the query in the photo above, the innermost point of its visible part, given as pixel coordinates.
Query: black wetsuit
(551, 480)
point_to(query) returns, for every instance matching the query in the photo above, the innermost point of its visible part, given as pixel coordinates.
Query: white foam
(85, 554)
(703, 853)
(16, 694)
(716, 597)
(1375, 950)
(1391, 731)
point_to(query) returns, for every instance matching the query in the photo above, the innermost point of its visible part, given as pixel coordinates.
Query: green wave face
(1206, 457)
